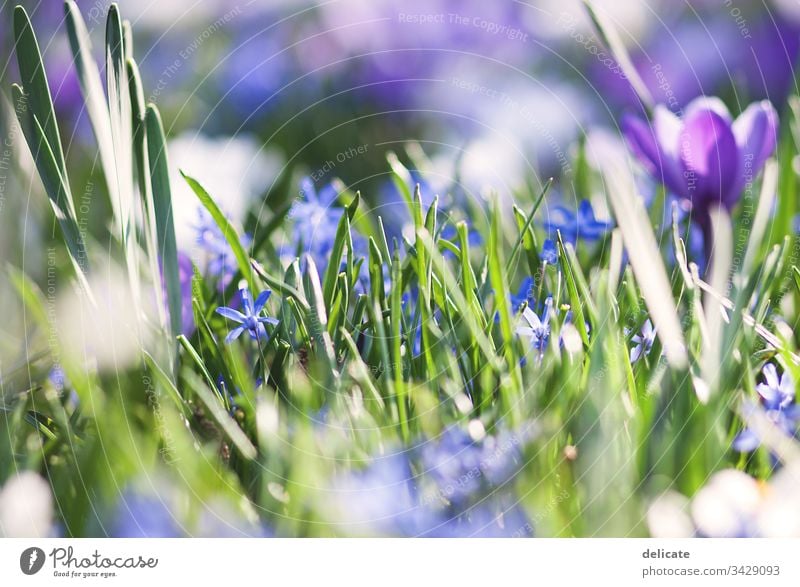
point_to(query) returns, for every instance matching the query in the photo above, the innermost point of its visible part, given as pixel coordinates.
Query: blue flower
(58, 378)
(644, 341)
(139, 515)
(573, 225)
(382, 498)
(221, 262)
(449, 487)
(537, 328)
(549, 253)
(778, 400)
(463, 468)
(315, 220)
(488, 519)
(524, 295)
(250, 319)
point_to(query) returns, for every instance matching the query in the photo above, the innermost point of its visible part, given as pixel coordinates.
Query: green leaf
(227, 424)
(34, 81)
(93, 96)
(119, 108)
(502, 301)
(165, 228)
(526, 230)
(332, 270)
(165, 381)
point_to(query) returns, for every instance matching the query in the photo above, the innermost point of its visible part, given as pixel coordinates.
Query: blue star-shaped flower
(573, 225)
(778, 400)
(250, 319)
(549, 253)
(644, 341)
(537, 328)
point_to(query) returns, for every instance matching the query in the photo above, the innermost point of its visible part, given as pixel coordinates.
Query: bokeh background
(475, 96)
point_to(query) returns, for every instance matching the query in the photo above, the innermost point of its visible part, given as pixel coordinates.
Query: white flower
(732, 504)
(108, 331)
(233, 170)
(26, 507)
(667, 517)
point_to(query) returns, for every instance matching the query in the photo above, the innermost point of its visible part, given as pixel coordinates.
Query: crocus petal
(642, 140)
(756, 132)
(231, 314)
(710, 159)
(234, 334)
(261, 300)
(668, 127)
(746, 441)
(712, 103)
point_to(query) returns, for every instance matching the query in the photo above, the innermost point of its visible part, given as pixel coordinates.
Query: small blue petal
(231, 314)
(746, 441)
(234, 334)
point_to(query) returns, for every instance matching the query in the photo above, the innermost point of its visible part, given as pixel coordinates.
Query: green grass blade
(34, 80)
(165, 228)
(227, 424)
(610, 36)
(228, 231)
(91, 87)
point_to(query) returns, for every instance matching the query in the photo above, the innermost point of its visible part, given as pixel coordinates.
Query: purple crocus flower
(778, 399)
(705, 157)
(250, 319)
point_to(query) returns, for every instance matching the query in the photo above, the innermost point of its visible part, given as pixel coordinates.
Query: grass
(267, 427)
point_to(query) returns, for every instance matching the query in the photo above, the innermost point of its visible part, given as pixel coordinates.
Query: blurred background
(490, 95)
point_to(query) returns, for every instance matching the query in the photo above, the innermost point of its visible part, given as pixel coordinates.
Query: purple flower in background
(644, 341)
(705, 157)
(778, 399)
(185, 275)
(250, 319)
(574, 225)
